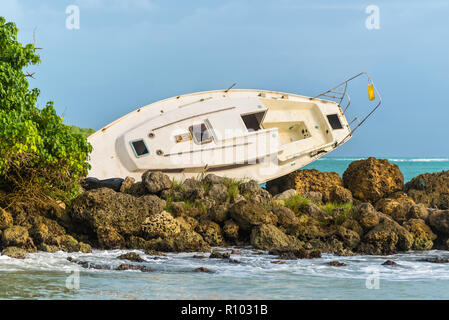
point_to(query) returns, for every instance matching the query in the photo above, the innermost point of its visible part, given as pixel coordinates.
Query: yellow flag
(371, 95)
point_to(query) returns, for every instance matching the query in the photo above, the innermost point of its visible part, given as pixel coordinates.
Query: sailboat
(236, 133)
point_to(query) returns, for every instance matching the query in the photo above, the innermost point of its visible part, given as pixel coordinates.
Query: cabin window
(140, 148)
(334, 121)
(200, 133)
(252, 121)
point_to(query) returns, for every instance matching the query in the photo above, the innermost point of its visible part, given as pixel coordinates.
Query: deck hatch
(334, 121)
(200, 133)
(140, 148)
(253, 120)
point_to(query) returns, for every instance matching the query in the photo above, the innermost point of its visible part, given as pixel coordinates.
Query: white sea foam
(256, 277)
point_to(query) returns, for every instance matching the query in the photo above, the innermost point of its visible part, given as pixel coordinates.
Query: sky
(127, 54)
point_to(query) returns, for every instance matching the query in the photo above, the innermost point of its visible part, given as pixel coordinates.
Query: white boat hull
(291, 132)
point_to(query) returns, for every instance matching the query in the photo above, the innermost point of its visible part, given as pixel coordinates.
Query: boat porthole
(151, 135)
(159, 152)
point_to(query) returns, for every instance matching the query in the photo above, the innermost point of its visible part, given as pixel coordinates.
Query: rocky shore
(368, 210)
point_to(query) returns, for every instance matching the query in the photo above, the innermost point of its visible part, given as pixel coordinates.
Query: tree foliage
(37, 151)
(84, 131)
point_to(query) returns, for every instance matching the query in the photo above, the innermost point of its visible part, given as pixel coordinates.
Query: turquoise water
(51, 276)
(410, 167)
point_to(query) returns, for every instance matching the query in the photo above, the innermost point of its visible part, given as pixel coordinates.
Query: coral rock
(372, 179)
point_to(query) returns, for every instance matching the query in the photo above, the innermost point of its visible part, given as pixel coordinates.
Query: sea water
(51, 276)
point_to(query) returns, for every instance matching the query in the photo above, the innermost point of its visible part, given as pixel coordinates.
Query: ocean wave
(421, 160)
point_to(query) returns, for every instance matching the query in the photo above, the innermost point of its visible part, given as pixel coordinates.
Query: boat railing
(340, 92)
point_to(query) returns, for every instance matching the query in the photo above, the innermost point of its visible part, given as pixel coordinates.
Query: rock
(85, 248)
(315, 212)
(285, 195)
(353, 225)
(131, 256)
(349, 237)
(186, 241)
(104, 207)
(48, 248)
(187, 222)
(91, 183)
(252, 190)
(231, 230)
(15, 252)
(127, 184)
(178, 208)
(389, 263)
(278, 262)
(152, 252)
(387, 237)
(397, 208)
(89, 265)
(218, 192)
(372, 179)
(366, 215)
(126, 266)
(203, 269)
(435, 260)
(109, 238)
(423, 236)
(330, 244)
(293, 253)
(160, 225)
(152, 203)
(137, 189)
(236, 197)
(17, 236)
(219, 213)
(315, 196)
(155, 182)
(339, 194)
(417, 211)
(307, 180)
(199, 257)
(219, 255)
(431, 189)
(211, 232)
(286, 217)
(336, 264)
(193, 189)
(235, 261)
(267, 237)
(439, 221)
(213, 179)
(6, 220)
(248, 214)
(69, 243)
(47, 231)
(61, 204)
